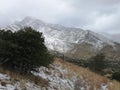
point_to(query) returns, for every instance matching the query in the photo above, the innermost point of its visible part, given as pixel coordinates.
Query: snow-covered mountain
(64, 39)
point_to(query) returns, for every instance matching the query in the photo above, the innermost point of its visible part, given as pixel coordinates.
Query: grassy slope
(84, 77)
(92, 78)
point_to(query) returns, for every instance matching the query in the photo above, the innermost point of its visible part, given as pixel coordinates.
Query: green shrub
(23, 50)
(116, 75)
(97, 63)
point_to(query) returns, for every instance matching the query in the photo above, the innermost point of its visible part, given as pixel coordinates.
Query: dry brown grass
(93, 79)
(15, 76)
(87, 75)
(3, 83)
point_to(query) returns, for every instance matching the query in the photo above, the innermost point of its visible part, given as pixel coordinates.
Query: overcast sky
(96, 15)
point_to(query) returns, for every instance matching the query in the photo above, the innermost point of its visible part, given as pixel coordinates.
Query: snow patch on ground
(58, 79)
(6, 83)
(58, 76)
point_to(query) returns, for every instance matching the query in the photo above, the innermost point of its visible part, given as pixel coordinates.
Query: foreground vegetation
(23, 50)
(98, 64)
(92, 78)
(61, 74)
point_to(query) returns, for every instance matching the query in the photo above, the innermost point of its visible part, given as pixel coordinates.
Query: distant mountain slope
(113, 37)
(71, 41)
(116, 37)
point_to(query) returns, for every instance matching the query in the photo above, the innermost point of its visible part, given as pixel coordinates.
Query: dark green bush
(23, 50)
(97, 63)
(116, 76)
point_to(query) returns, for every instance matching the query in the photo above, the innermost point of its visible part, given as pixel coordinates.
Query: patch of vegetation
(23, 50)
(116, 75)
(97, 63)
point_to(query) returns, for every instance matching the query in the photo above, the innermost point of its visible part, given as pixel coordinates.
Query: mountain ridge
(65, 39)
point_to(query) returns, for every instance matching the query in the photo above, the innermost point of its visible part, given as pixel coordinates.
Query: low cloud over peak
(97, 15)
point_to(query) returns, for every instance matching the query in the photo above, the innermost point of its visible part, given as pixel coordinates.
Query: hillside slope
(60, 75)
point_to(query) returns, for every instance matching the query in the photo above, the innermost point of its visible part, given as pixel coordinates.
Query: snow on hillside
(60, 38)
(61, 76)
(9, 84)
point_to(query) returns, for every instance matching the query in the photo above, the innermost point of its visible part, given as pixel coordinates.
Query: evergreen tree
(116, 75)
(23, 50)
(97, 63)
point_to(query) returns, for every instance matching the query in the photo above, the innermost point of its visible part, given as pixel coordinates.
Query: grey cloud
(97, 15)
